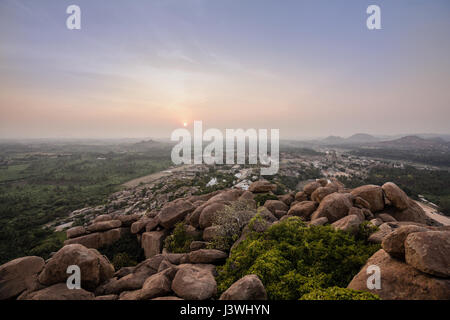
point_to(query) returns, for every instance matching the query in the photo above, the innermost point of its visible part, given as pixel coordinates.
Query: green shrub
(292, 259)
(336, 293)
(52, 243)
(365, 230)
(179, 241)
(123, 251)
(121, 260)
(261, 198)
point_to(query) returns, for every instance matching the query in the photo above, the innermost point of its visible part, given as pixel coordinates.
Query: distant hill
(414, 143)
(445, 137)
(357, 138)
(147, 145)
(333, 140)
(361, 138)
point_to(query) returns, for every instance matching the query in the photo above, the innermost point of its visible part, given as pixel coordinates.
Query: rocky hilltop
(413, 250)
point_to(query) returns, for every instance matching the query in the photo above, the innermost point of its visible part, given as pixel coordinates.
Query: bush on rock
(292, 259)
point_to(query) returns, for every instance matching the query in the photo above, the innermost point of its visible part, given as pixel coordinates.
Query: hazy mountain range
(418, 141)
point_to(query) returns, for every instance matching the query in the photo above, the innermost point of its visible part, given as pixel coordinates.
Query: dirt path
(431, 212)
(155, 176)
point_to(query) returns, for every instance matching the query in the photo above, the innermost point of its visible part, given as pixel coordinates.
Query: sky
(143, 68)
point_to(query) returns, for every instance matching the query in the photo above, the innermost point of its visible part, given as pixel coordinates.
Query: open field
(41, 183)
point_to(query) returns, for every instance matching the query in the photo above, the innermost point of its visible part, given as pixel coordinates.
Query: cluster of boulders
(386, 207)
(104, 230)
(166, 276)
(198, 212)
(414, 263)
(414, 257)
(162, 275)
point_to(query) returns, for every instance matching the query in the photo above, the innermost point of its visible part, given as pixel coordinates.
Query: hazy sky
(142, 68)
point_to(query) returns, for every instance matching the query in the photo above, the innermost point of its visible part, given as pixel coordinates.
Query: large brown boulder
(128, 219)
(395, 195)
(394, 242)
(413, 213)
(300, 196)
(104, 225)
(321, 193)
(349, 224)
(75, 232)
(19, 275)
(212, 256)
(247, 195)
(99, 239)
(372, 194)
(208, 214)
(262, 186)
(249, 287)
(138, 226)
(174, 211)
(109, 237)
(286, 198)
(386, 217)
(358, 212)
(152, 242)
(155, 286)
(274, 205)
(334, 206)
(194, 217)
(429, 252)
(193, 282)
(92, 240)
(319, 221)
(226, 196)
(202, 197)
(94, 267)
(132, 279)
(400, 281)
(152, 224)
(59, 292)
(130, 295)
(303, 209)
(311, 187)
(361, 203)
(103, 217)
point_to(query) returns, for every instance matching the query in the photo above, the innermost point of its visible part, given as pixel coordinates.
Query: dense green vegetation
(261, 198)
(336, 293)
(432, 184)
(38, 187)
(292, 259)
(436, 158)
(179, 241)
(125, 252)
